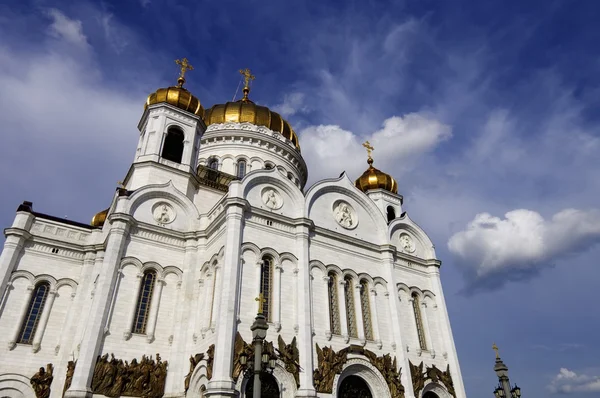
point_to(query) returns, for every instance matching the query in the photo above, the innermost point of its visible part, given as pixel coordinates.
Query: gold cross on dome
(369, 148)
(247, 76)
(261, 301)
(495, 348)
(185, 66)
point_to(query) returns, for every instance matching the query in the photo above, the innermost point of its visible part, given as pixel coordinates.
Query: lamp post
(259, 332)
(503, 390)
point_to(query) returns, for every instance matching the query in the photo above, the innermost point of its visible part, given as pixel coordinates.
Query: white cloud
(398, 144)
(521, 243)
(67, 29)
(569, 382)
(292, 103)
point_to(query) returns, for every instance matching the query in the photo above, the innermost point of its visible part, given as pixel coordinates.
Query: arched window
(241, 168)
(266, 281)
(173, 146)
(366, 310)
(419, 321)
(391, 214)
(142, 308)
(350, 313)
(213, 163)
(334, 312)
(34, 312)
(269, 166)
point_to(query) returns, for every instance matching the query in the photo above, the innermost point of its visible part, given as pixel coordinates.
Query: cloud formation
(569, 382)
(67, 29)
(493, 250)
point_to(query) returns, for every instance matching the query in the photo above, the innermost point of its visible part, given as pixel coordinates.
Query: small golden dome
(373, 179)
(176, 96)
(99, 219)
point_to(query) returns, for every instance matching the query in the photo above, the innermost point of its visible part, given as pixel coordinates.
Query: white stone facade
(205, 247)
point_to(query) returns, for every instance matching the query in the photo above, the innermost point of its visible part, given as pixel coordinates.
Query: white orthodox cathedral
(155, 298)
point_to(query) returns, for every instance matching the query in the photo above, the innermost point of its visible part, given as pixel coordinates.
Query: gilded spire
(184, 67)
(248, 76)
(369, 149)
(495, 348)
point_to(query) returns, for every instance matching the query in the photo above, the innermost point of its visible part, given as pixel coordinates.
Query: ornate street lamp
(503, 390)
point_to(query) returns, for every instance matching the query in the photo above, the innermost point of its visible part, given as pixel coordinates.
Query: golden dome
(373, 179)
(99, 219)
(176, 96)
(245, 110)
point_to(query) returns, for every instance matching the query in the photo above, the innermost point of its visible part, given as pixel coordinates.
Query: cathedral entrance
(268, 387)
(354, 387)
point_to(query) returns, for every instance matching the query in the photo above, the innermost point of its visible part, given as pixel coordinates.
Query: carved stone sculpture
(41, 381)
(240, 347)
(445, 378)
(417, 377)
(116, 378)
(193, 363)
(210, 354)
(290, 356)
(69, 378)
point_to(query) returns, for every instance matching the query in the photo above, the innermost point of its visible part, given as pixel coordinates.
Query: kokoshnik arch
(156, 296)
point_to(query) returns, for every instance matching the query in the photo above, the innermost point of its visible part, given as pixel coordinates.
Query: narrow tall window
(241, 168)
(391, 214)
(334, 312)
(34, 312)
(350, 313)
(366, 310)
(173, 147)
(213, 164)
(419, 321)
(143, 303)
(212, 299)
(266, 281)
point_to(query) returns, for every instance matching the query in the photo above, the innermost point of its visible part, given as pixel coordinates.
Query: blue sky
(485, 112)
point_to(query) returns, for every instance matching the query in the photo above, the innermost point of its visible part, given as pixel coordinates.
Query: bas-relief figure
(41, 381)
(240, 346)
(290, 355)
(210, 358)
(344, 215)
(69, 378)
(417, 377)
(435, 375)
(114, 378)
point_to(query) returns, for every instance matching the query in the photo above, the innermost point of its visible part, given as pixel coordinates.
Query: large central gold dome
(245, 110)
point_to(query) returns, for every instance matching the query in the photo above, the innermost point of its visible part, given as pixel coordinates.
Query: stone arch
(171, 269)
(405, 223)
(14, 385)
(22, 274)
(436, 389)
(380, 281)
(369, 373)
(285, 380)
(45, 278)
(67, 282)
(319, 265)
(152, 265)
(197, 381)
(270, 252)
(131, 261)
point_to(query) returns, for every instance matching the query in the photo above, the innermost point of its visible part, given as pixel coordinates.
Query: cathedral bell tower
(170, 131)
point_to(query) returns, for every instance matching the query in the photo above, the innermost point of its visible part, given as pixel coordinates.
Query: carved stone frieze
(290, 356)
(210, 358)
(115, 377)
(248, 349)
(69, 378)
(444, 377)
(417, 376)
(194, 360)
(41, 381)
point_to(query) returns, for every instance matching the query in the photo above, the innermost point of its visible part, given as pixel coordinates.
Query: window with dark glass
(241, 168)
(419, 321)
(350, 313)
(391, 214)
(213, 164)
(269, 166)
(173, 147)
(34, 312)
(334, 312)
(366, 310)
(266, 281)
(143, 303)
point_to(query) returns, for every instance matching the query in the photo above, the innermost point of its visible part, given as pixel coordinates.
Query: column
(341, 284)
(93, 336)
(375, 318)
(24, 307)
(328, 331)
(394, 302)
(16, 236)
(154, 306)
(198, 302)
(446, 330)
(41, 327)
(209, 286)
(429, 339)
(221, 384)
(360, 326)
(92, 264)
(276, 299)
(305, 334)
(133, 307)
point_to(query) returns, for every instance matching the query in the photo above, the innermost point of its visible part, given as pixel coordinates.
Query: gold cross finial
(369, 149)
(495, 348)
(185, 66)
(247, 77)
(261, 301)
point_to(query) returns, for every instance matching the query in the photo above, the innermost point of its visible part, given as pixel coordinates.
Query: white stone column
(41, 327)
(429, 339)
(24, 307)
(208, 304)
(221, 384)
(446, 331)
(341, 284)
(154, 307)
(295, 301)
(199, 303)
(92, 264)
(276, 299)
(305, 333)
(133, 307)
(402, 360)
(93, 336)
(375, 318)
(360, 326)
(328, 330)
(16, 236)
